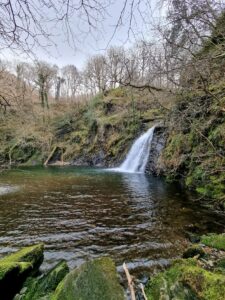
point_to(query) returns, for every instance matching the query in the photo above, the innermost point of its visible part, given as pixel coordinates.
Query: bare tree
(96, 73)
(44, 79)
(27, 24)
(115, 58)
(72, 81)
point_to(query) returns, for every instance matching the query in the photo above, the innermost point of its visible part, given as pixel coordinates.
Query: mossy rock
(185, 280)
(194, 250)
(15, 268)
(94, 280)
(44, 286)
(214, 240)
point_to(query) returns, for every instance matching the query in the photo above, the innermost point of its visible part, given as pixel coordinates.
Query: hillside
(97, 133)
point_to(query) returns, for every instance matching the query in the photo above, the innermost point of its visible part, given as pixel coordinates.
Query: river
(83, 213)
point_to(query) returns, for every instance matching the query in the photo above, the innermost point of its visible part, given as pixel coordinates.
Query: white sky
(95, 44)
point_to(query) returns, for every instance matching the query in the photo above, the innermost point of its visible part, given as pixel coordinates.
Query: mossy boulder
(94, 280)
(214, 240)
(185, 279)
(15, 268)
(44, 286)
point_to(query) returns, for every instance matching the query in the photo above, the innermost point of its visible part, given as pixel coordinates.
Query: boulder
(16, 267)
(186, 280)
(94, 280)
(44, 286)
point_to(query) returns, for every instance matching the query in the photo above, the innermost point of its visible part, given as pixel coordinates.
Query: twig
(130, 282)
(143, 291)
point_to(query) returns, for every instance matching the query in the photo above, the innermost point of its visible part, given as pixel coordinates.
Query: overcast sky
(99, 40)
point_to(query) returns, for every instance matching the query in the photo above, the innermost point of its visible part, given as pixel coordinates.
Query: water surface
(83, 213)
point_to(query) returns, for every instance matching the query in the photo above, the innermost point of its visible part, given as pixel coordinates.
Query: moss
(32, 254)
(214, 240)
(168, 284)
(207, 285)
(195, 146)
(43, 287)
(10, 268)
(95, 279)
(17, 267)
(186, 280)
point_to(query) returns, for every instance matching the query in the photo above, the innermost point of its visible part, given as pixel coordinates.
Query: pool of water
(83, 213)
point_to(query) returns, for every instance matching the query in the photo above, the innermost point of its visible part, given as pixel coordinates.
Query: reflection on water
(6, 189)
(82, 213)
(137, 184)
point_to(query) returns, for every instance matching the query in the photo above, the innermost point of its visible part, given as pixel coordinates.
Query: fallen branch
(143, 291)
(130, 282)
(50, 156)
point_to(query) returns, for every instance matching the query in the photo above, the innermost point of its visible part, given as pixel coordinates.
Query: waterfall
(137, 158)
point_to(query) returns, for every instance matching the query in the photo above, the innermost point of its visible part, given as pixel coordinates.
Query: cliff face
(154, 165)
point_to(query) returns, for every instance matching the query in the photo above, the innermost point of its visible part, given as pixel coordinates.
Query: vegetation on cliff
(195, 149)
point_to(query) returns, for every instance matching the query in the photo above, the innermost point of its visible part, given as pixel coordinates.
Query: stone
(16, 267)
(44, 286)
(93, 280)
(186, 280)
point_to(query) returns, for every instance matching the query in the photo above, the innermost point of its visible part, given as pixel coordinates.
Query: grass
(214, 240)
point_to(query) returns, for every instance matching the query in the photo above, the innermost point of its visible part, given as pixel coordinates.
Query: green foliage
(196, 144)
(214, 240)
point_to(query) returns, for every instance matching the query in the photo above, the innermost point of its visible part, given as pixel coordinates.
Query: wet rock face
(158, 143)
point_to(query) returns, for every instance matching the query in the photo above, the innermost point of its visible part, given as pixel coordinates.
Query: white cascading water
(137, 158)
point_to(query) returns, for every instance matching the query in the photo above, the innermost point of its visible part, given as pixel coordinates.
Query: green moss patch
(15, 268)
(95, 279)
(186, 280)
(43, 287)
(214, 240)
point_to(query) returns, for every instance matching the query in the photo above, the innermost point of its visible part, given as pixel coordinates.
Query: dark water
(82, 213)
